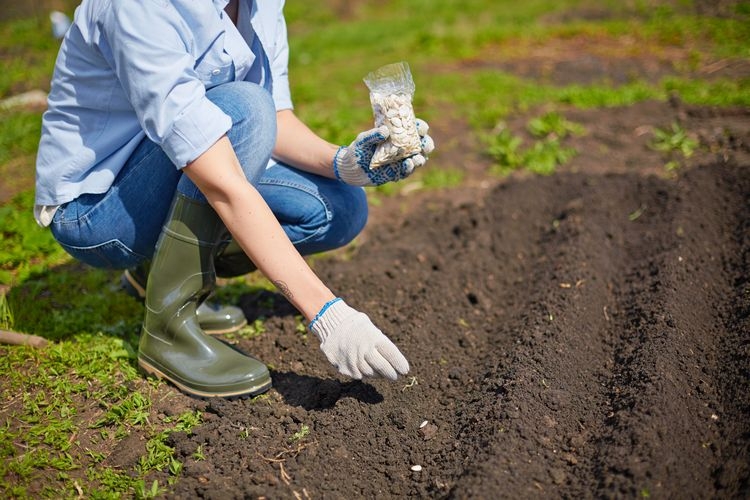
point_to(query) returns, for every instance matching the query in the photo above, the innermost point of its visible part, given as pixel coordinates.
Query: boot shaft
(182, 271)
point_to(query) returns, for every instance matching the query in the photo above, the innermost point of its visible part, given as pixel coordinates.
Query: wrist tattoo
(284, 289)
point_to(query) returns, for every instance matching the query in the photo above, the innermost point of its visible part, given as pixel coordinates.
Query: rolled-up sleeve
(150, 53)
(280, 64)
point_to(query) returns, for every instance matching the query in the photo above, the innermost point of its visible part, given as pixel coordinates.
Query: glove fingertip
(422, 127)
(402, 367)
(354, 374)
(428, 145)
(407, 166)
(380, 365)
(418, 160)
(395, 358)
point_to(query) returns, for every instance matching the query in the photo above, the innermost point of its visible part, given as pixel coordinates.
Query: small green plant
(675, 143)
(198, 453)
(249, 331)
(154, 491)
(505, 150)
(302, 433)
(187, 421)
(133, 410)
(159, 456)
(543, 156)
(636, 214)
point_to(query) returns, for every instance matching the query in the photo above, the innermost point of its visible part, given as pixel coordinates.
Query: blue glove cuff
(336, 163)
(323, 310)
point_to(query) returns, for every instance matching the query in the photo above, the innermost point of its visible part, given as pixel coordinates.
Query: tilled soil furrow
(551, 396)
(662, 433)
(732, 370)
(638, 409)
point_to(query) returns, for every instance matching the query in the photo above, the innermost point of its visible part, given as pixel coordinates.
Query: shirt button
(216, 71)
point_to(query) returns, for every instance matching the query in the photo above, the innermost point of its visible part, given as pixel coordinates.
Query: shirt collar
(220, 4)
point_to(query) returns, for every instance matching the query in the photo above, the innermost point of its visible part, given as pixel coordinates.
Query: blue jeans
(118, 229)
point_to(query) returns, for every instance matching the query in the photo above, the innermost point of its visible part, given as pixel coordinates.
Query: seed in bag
(391, 90)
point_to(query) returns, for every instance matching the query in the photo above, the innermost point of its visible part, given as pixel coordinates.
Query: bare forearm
(255, 228)
(300, 147)
(257, 231)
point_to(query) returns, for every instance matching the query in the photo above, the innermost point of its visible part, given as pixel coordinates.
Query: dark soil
(580, 335)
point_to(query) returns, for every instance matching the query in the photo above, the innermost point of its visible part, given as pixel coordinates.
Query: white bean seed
(395, 112)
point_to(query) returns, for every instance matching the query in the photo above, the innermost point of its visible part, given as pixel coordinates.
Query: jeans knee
(253, 132)
(317, 213)
(349, 213)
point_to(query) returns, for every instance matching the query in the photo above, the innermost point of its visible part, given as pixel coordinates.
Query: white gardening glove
(351, 164)
(354, 345)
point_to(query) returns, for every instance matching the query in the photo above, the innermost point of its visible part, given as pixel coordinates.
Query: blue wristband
(323, 310)
(336, 163)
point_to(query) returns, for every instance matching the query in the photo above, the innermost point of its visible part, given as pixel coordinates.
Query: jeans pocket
(111, 254)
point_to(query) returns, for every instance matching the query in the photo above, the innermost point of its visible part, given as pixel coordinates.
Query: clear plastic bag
(391, 91)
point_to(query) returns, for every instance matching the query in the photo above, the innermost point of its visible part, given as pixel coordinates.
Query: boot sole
(135, 290)
(237, 327)
(254, 391)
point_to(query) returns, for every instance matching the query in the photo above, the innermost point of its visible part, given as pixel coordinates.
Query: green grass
(27, 248)
(68, 405)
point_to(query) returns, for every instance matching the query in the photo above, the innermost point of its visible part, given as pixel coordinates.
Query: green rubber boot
(214, 319)
(172, 344)
(231, 261)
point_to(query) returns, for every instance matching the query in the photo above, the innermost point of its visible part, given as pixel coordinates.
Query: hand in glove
(354, 345)
(352, 163)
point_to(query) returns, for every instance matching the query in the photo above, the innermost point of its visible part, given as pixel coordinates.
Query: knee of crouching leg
(350, 214)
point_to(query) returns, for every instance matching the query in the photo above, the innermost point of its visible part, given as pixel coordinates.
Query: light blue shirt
(131, 69)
